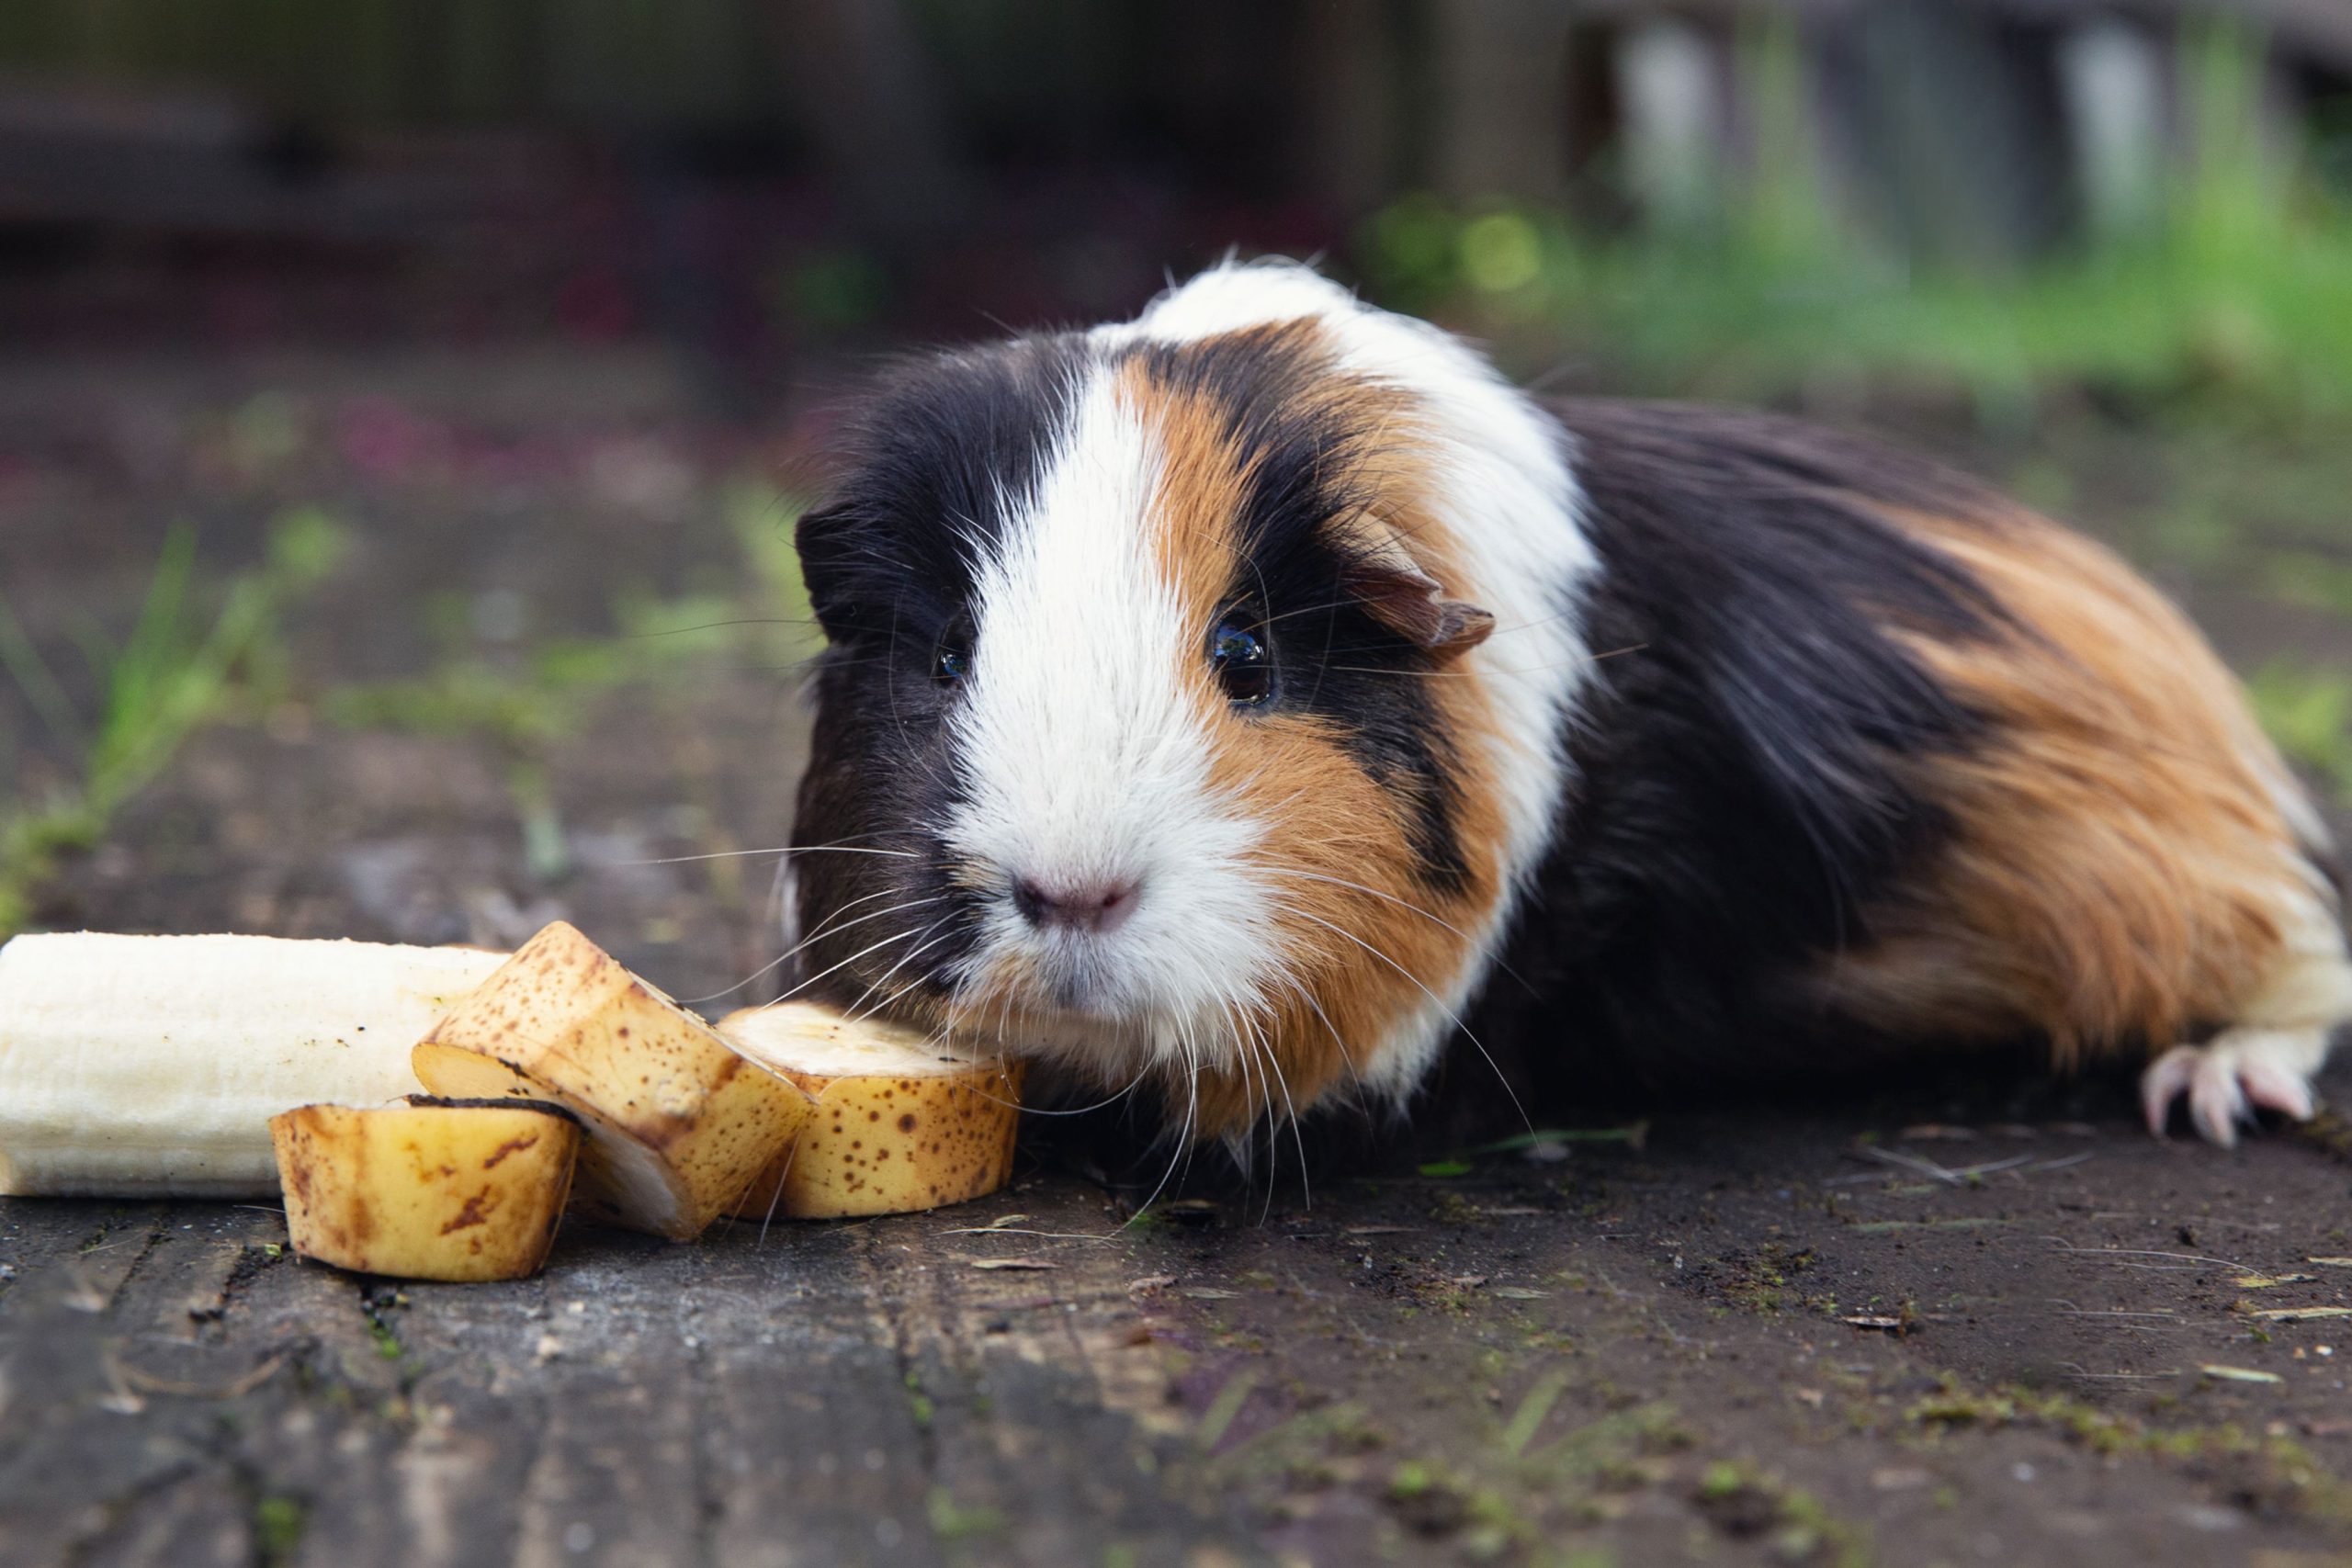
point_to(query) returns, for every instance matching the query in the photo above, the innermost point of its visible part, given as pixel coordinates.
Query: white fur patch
(1086, 762)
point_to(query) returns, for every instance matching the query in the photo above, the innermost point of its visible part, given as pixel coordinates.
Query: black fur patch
(1740, 797)
(937, 448)
(890, 563)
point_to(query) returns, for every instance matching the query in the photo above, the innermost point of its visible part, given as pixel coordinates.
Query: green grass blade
(39, 683)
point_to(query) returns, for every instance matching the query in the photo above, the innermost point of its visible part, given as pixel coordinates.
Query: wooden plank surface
(1658, 1354)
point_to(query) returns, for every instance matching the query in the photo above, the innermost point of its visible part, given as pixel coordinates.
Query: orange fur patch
(1366, 943)
(2121, 866)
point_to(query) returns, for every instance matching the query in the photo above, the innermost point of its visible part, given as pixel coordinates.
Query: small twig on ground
(1019, 1230)
(236, 1388)
(2120, 1255)
(1950, 1178)
(2075, 1368)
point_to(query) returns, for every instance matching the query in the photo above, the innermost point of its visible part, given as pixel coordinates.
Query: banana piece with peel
(433, 1190)
(900, 1125)
(149, 1067)
(678, 1125)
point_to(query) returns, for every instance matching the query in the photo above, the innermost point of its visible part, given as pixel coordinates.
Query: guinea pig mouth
(1065, 979)
(1035, 1024)
(1082, 986)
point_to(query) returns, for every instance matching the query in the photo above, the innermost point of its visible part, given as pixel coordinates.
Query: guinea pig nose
(1097, 907)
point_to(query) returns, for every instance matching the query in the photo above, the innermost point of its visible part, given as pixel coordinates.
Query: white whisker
(823, 930)
(786, 850)
(845, 963)
(1289, 870)
(850, 1012)
(1184, 1143)
(1454, 1017)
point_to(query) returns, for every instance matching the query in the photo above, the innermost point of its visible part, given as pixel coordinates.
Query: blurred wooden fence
(1960, 127)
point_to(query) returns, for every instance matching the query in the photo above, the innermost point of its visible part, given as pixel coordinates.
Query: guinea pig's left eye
(1242, 664)
(953, 662)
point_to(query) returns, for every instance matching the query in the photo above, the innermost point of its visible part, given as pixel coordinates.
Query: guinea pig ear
(1408, 601)
(821, 540)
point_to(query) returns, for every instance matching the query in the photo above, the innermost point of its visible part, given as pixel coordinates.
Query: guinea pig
(1227, 700)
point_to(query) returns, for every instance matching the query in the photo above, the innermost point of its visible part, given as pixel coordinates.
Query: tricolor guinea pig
(1258, 698)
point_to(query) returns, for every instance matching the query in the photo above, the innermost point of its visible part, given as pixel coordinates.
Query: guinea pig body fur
(1220, 700)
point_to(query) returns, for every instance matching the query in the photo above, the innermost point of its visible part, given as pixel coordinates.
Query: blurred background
(405, 403)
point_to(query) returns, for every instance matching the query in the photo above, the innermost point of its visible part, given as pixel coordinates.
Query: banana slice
(149, 1067)
(899, 1124)
(432, 1190)
(678, 1125)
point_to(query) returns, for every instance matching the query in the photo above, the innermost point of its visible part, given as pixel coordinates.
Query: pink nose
(1100, 907)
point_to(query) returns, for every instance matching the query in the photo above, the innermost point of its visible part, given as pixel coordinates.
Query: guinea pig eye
(1242, 664)
(952, 663)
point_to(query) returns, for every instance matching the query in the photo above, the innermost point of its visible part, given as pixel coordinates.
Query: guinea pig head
(1151, 736)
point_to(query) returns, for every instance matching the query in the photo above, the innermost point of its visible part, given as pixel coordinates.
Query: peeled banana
(150, 1066)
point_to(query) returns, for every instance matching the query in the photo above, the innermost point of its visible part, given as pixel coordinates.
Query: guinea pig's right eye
(1241, 662)
(952, 663)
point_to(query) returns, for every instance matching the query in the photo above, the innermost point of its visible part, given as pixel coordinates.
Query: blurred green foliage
(175, 671)
(540, 694)
(2241, 295)
(527, 696)
(2308, 711)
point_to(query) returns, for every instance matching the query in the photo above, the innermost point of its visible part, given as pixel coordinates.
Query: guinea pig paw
(2227, 1080)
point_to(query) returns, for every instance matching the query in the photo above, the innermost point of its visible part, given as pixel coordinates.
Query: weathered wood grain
(200, 1520)
(1644, 1352)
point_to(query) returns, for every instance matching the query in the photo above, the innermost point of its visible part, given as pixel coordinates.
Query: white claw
(2164, 1081)
(2279, 1089)
(2216, 1103)
(2227, 1081)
